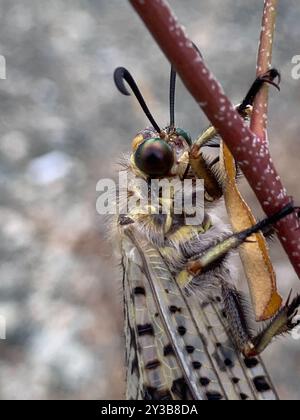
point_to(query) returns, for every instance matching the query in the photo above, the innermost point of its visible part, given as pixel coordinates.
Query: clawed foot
(270, 77)
(283, 323)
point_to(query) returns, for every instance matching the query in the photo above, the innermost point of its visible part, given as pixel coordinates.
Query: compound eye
(185, 135)
(154, 157)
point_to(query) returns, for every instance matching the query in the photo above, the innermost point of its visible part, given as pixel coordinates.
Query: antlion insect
(188, 333)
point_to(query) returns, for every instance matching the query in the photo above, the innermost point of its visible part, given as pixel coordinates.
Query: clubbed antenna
(122, 74)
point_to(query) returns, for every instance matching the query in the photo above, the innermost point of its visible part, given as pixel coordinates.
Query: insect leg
(237, 319)
(248, 343)
(269, 77)
(202, 167)
(282, 323)
(245, 108)
(215, 253)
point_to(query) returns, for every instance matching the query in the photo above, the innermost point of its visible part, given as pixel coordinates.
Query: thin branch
(250, 151)
(259, 118)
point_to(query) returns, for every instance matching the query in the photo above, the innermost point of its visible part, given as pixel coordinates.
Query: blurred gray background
(63, 126)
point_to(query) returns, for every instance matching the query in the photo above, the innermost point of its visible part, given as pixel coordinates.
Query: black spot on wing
(244, 397)
(174, 309)
(261, 384)
(190, 349)
(214, 396)
(181, 330)
(197, 365)
(229, 363)
(153, 364)
(181, 389)
(168, 350)
(251, 363)
(204, 381)
(139, 291)
(145, 329)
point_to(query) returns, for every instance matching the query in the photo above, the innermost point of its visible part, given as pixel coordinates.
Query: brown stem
(250, 151)
(259, 118)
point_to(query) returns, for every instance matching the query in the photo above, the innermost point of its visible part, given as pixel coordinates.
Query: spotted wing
(176, 347)
(244, 379)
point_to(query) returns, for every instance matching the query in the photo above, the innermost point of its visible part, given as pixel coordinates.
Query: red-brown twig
(259, 118)
(250, 151)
